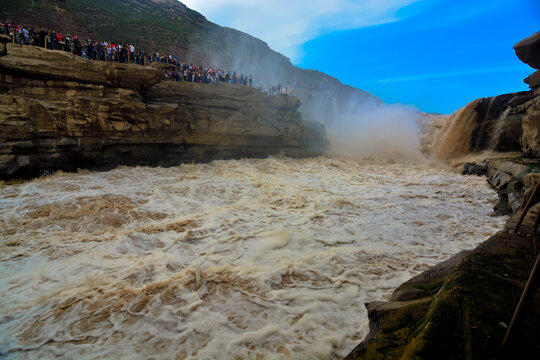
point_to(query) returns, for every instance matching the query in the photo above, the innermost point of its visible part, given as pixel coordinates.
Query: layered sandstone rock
(60, 65)
(58, 111)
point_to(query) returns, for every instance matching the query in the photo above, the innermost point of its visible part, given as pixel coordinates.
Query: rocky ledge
(62, 112)
(528, 51)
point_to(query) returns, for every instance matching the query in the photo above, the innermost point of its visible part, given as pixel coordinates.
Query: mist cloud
(285, 25)
(379, 131)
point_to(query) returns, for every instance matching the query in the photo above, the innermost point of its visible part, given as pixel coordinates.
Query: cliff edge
(61, 112)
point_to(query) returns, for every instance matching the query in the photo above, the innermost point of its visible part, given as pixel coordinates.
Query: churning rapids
(243, 259)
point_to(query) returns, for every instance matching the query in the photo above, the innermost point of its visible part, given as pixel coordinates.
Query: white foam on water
(239, 259)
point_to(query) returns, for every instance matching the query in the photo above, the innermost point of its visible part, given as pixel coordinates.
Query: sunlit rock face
(62, 112)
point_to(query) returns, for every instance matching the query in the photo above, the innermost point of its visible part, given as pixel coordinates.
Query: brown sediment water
(242, 259)
(454, 139)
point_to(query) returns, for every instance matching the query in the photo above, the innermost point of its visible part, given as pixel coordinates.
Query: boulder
(528, 50)
(474, 169)
(533, 80)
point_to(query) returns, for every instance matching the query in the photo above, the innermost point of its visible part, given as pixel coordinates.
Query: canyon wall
(61, 112)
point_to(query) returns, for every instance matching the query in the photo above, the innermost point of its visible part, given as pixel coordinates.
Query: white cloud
(287, 24)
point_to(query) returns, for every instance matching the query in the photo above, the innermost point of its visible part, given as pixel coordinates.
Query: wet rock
(474, 169)
(513, 168)
(460, 316)
(498, 179)
(428, 281)
(382, 313)
(502, 208)
(514, 191)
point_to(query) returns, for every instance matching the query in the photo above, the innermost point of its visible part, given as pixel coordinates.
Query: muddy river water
(247, 259)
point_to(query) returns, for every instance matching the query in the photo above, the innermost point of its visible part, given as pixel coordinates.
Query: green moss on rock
(465, 319)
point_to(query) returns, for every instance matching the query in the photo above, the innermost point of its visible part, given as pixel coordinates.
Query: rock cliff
(61, 112)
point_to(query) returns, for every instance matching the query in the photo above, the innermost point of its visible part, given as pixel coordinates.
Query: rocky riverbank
(61, 112)
(461, 308)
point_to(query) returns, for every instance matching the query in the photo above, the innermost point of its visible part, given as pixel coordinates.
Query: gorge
(184, 220)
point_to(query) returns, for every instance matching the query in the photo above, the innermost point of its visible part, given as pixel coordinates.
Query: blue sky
(437, 55)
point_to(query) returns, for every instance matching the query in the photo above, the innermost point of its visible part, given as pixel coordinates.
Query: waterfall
(454, 140)
(497, 130)
(484, 120)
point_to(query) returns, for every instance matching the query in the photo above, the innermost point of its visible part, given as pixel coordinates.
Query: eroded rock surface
(528, 50)
(58, 111)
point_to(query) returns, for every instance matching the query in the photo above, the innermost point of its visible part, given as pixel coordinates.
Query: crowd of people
(205, 75)
(123, 53)
(126, 53)
(277, 90)
(289, 90)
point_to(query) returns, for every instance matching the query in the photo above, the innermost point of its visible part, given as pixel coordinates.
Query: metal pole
(527, 207)
(524, 303)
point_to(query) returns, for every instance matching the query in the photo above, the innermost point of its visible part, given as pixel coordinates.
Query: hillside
(170, 27)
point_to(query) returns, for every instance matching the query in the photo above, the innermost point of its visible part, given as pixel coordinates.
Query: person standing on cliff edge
(77, 46)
